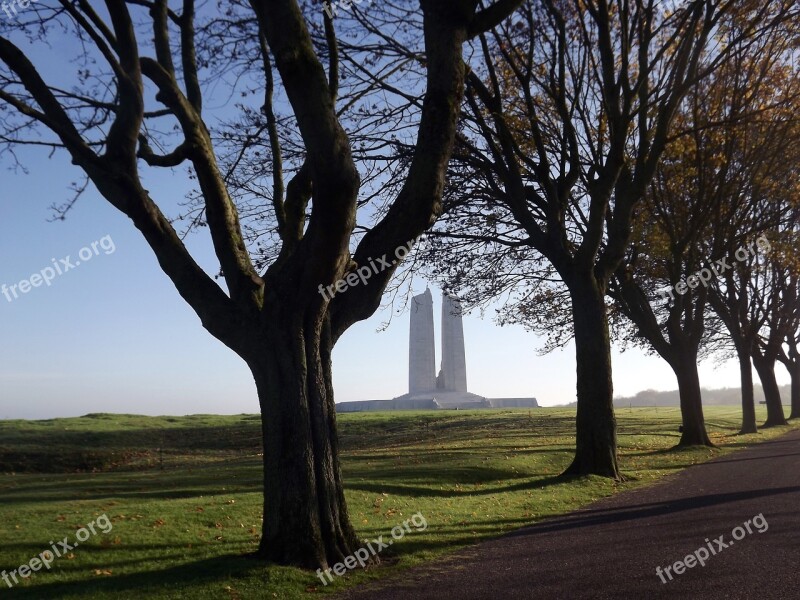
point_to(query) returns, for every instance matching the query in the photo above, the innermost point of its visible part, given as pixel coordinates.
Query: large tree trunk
(749, 424)
(765, 367)
(305, 515)
(794, 372)
(596, 432)
(694, 425)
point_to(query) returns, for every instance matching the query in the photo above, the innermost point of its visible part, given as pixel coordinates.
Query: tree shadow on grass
(524, 483)
(109, 557)
(209, 572)
(679, 450)
(171, 485)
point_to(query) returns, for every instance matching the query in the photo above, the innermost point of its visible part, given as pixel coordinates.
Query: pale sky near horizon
(113, 335)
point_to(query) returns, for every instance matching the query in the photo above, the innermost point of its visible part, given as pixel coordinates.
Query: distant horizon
(757, 390)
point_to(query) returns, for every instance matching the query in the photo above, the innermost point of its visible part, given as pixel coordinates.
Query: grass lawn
(182, 532)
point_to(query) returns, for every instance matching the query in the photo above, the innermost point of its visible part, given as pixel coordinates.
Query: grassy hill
(185, 531)
(105, 442)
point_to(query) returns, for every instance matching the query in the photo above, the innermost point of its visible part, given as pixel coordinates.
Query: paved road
(611, 548)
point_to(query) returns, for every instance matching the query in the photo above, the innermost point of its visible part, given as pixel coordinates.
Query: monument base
(438, 400)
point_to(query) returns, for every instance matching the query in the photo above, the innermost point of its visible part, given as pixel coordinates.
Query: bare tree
(570, 107)
(772, 297)
(138, 103)
(716, 190)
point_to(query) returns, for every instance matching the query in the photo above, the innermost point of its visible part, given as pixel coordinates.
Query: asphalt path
(612, 548)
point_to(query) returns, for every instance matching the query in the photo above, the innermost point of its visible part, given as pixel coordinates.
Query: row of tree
(724, 199)
(539, 137)
(607, 156)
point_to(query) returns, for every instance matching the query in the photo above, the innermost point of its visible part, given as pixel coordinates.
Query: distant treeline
(721, 397)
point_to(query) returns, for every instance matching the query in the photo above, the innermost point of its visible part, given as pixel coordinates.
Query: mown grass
(184, 532)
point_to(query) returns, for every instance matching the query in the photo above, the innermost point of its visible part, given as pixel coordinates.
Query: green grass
(184, 532)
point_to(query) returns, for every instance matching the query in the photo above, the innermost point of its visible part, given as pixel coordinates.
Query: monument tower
(453, 375)
(421, 345)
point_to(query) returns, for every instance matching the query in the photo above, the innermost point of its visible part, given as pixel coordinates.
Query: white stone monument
(425, 389)
(421, 345)
(453, 376)
(449, 389)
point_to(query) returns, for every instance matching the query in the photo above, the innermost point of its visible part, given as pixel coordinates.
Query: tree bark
(305, 514)
(749, 424)
(791, 360)
(596, 434)
(694, 425)
(765, 367)
(684, 330)
(794, 372)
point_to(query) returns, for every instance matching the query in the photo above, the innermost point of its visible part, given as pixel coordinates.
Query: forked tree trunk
(694, 425)
(596, 432)
(749, 424)
(305, 515)
(765, 367)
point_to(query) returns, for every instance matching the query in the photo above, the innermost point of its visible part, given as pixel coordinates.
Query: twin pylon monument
(449, 386)
(428, 389)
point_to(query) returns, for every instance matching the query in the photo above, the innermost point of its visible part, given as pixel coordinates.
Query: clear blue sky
(112, 335)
